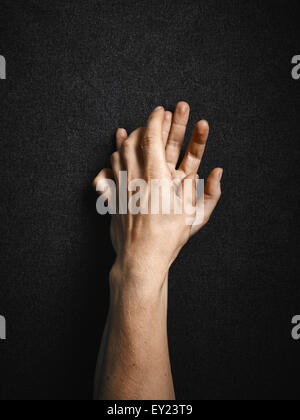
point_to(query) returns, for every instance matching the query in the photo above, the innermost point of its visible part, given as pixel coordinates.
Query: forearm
(134, 363)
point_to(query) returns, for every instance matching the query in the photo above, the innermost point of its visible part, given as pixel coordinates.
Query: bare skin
(134, 361)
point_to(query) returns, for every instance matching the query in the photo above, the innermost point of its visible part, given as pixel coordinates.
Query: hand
(147, 244)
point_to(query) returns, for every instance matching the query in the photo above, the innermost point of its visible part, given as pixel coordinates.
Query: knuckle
(175, 142)
(148, 140)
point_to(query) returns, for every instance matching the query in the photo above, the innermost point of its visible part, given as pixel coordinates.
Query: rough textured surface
(76, 71)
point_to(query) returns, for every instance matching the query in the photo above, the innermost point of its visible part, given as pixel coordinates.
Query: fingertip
(121, 135)
(216, 174)
(219, 173)
(121, 132)
(158, 112)
(204, 123)
(183, 107)
(202, 127)
(213, 183)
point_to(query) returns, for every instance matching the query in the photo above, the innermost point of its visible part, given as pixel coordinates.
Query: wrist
(131, 282)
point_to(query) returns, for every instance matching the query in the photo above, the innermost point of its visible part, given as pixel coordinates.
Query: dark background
(76, 71)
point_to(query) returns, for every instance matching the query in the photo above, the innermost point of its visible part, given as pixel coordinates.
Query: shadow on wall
(89, 321)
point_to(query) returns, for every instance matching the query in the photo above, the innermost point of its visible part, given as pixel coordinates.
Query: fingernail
(220, 174)
(158, 108)
(123, 132)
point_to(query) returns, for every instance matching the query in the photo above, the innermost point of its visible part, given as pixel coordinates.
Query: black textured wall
(77, 70)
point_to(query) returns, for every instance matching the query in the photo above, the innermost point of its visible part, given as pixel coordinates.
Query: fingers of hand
(117, 165)
(177, 133)
(153, 146)
(132, 154)
(196, 148)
